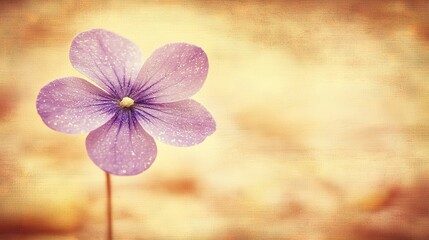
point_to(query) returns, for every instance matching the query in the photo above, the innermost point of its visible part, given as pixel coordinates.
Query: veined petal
(173, 72)
(73, 105)
(121, 146)
(110, 60)
(183, 123)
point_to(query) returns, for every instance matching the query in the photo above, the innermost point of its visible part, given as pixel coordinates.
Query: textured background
(322, 110)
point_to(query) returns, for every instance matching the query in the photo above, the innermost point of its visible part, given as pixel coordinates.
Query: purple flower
(136, 101)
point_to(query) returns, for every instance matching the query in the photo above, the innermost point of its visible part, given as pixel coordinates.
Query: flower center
(126, 102)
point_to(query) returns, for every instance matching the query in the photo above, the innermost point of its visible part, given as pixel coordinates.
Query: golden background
(322, 111)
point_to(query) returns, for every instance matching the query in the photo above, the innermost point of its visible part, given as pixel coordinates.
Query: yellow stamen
(126, 102)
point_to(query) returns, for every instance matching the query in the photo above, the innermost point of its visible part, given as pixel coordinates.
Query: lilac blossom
(135, 103)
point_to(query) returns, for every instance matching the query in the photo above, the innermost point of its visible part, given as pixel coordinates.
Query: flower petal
(121, 146)
(183, 123)
(173, 72)
(110, 60)
(73, 105)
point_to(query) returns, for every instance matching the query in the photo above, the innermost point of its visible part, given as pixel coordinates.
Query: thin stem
(109, 208)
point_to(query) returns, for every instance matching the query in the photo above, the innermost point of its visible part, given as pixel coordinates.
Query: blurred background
(322, 111)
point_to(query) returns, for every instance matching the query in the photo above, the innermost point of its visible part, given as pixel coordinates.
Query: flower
(135, 101)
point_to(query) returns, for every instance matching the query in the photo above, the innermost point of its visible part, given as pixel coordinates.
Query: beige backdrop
(322, 110)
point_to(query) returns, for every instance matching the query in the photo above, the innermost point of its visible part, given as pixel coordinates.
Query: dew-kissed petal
(173, 72)
(183, 123)
(110, 60)
(73, 105)
(121, 146)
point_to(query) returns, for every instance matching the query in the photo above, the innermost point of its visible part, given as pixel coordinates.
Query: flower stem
(109, 207)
